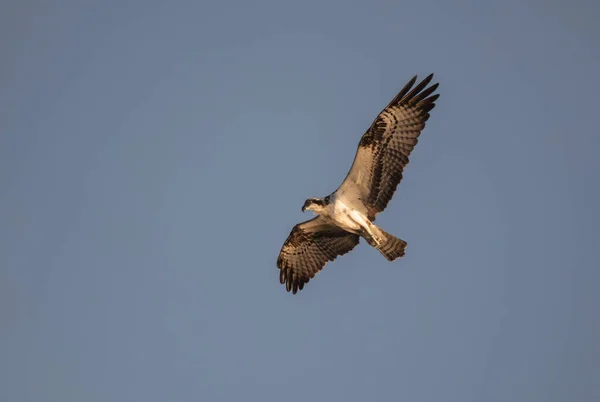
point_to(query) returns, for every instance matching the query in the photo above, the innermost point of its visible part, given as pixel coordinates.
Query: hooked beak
(303, 208)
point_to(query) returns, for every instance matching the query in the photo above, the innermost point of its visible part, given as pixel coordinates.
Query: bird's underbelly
(350, 219)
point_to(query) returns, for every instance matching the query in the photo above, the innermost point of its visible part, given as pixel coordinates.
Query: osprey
(347, 214)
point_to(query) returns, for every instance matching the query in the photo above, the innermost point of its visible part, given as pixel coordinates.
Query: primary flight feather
(347, 214)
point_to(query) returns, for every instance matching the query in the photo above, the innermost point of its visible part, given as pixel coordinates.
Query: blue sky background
(155, 155)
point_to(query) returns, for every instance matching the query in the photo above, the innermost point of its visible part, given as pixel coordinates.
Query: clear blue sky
(155, 155)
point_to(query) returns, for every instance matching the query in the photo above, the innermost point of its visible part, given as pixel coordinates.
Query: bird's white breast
(347, 217)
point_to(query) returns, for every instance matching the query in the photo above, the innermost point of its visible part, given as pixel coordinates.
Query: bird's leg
(371, 234)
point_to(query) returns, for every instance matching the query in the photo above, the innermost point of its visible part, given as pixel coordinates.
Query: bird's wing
(310, 246)
(384, 149)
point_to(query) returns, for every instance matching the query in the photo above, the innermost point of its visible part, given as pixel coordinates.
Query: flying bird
(347, 214)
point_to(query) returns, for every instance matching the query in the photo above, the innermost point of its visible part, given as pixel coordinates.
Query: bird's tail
(389, 245)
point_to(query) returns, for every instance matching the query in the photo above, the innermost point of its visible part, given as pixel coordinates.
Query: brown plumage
(383, 153)
(308, 248)
(384, 149)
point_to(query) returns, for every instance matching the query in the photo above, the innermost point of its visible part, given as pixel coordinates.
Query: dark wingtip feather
(432, 98)
(418, 88)
(414, 96)
(418, 98)
(426, 109)
(429, 103)
(408, 85)
(403, 91)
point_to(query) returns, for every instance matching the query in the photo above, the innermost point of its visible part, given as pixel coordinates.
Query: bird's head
(314, 204)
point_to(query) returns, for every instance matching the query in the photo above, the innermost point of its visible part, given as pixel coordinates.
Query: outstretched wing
(308, 248)
(384, 149)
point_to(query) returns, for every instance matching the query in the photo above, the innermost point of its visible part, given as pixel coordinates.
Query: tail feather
(389, 245)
